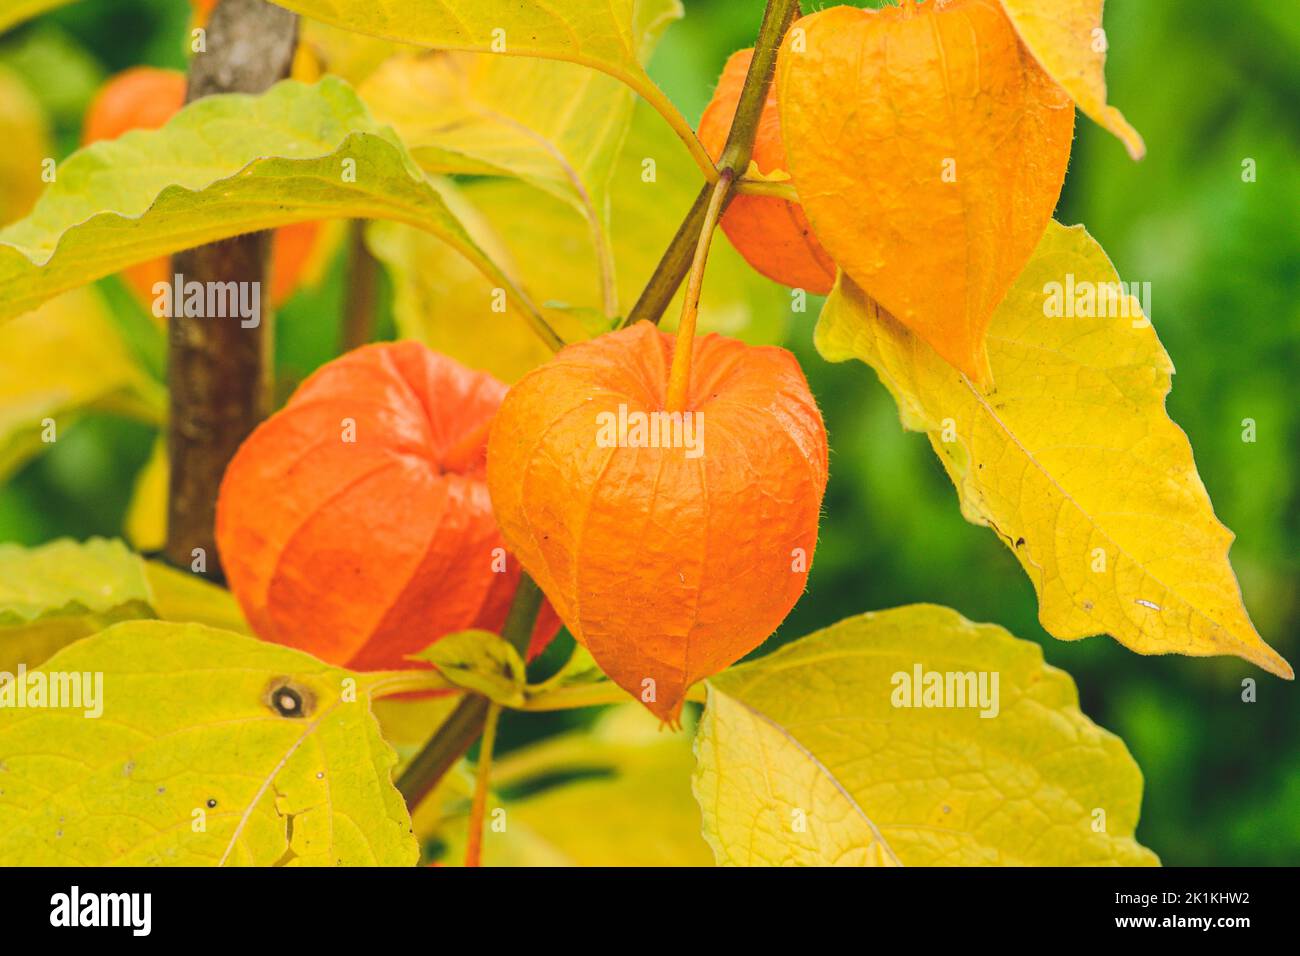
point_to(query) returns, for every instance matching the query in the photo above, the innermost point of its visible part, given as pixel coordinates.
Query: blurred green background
(1209, 86)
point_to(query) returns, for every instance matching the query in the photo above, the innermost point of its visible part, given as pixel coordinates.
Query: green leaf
(224, 165)
(810, 756)
(614, 37)
(479, 661)
(60, 592)
(212, 749)
(1073, 459)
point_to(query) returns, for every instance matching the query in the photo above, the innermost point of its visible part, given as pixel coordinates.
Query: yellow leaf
(212, 749)
(1067, 38)
(58, 362)
(26, 144)
(1073, 461)
(65, 590)
(352, 56)
(223, 166)
(618, 794)
(556, 125)
(16, 11)
(441, 301)
(819, 755)
(180, 596)
(407, 721)
(145, 525)
(614, 37)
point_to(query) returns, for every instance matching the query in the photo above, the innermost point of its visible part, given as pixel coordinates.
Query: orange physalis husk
(929, 147)
(772, 234)
(355, 523)
(667, 563)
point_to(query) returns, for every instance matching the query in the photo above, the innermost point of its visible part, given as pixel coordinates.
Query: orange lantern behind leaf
(146, 98)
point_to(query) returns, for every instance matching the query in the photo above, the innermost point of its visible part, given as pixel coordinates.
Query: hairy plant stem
(679, 376)
(459, 731)
(677, 258)
(482, 777)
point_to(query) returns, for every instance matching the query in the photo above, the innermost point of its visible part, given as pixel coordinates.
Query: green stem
(676, 261)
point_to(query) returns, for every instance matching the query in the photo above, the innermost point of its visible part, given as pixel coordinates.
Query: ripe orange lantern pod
(772, 234)
(671, 547)
(930, 148)
(355, 523)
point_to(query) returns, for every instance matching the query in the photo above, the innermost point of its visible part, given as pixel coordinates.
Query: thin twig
(679, 376)
(761, 187)
(677, 258)
(483, 776)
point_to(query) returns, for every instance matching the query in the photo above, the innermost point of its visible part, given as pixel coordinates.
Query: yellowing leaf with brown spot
(191, 763)
(1073, 459)
(1067, 38)
(817, 754)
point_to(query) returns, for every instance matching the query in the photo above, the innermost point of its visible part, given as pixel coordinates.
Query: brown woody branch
(219, 371)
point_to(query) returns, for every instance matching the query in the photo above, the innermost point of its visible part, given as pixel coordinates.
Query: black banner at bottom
(295, 907)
